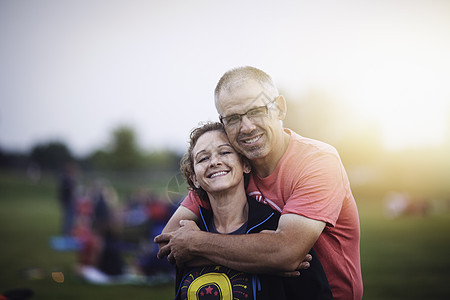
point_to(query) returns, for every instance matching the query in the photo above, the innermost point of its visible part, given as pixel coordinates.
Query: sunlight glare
(407, 97)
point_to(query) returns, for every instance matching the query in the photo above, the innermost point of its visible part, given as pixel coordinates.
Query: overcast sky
(75, 70)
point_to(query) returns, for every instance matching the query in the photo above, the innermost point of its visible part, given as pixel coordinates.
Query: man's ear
(281, 105)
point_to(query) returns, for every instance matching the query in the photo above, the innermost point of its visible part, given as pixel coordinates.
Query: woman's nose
(215, 160)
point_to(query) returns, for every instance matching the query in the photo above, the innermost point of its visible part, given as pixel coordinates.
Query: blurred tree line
(122, 154)
(374, 171)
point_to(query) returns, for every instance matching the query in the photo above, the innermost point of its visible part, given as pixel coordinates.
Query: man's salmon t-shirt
(311, 181)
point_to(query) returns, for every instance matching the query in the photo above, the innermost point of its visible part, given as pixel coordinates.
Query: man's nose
(247, 125)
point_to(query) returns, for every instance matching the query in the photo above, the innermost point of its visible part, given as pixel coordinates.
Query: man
(302, 178)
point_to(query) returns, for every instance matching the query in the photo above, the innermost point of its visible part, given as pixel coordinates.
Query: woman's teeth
(218, 174)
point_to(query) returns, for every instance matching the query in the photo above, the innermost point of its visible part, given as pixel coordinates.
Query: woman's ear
(195, 182)
(247, 167)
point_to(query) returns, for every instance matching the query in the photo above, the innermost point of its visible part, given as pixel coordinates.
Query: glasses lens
(252, 114)
(257, 112)
(232, 120)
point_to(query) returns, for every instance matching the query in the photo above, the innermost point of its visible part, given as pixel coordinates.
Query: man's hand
(182, 213)
(176, 246)
(302, 266)
(163, 243)
(305, 264)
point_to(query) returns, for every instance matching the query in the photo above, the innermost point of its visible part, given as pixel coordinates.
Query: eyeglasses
(252, 114)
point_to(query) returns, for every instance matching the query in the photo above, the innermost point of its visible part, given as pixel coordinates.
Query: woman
(215, 171)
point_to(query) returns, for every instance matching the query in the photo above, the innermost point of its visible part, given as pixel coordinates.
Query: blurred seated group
(114, 242)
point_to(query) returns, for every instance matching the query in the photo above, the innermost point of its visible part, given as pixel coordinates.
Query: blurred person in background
(67, 197)
(100, 258)
(302, 178)
(215, 171)
(147, 214)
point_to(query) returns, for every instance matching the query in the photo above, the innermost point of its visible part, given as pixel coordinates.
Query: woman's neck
(230, 210)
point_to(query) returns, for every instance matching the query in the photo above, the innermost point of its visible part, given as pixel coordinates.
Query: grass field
(404, 258)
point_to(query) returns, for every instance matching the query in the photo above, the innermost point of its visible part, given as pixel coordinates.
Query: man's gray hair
(237, 77)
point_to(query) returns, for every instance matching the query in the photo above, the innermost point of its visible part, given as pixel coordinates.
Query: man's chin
(251, 152)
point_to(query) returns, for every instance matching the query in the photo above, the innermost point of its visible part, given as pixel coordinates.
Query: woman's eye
(202, 159)
(225, 152)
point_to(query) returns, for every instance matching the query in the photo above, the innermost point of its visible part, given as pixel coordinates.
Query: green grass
(29, 216)
(404, 258)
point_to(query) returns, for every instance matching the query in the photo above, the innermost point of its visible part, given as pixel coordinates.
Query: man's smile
(251, 140)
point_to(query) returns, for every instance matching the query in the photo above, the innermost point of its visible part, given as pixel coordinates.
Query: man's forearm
(253, 253)
(181, 213)
(282, 250)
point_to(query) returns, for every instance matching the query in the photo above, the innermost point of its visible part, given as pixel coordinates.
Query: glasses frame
(221, 118)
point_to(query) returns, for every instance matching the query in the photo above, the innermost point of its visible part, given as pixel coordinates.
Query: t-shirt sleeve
(319, 190)
(192, 201)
